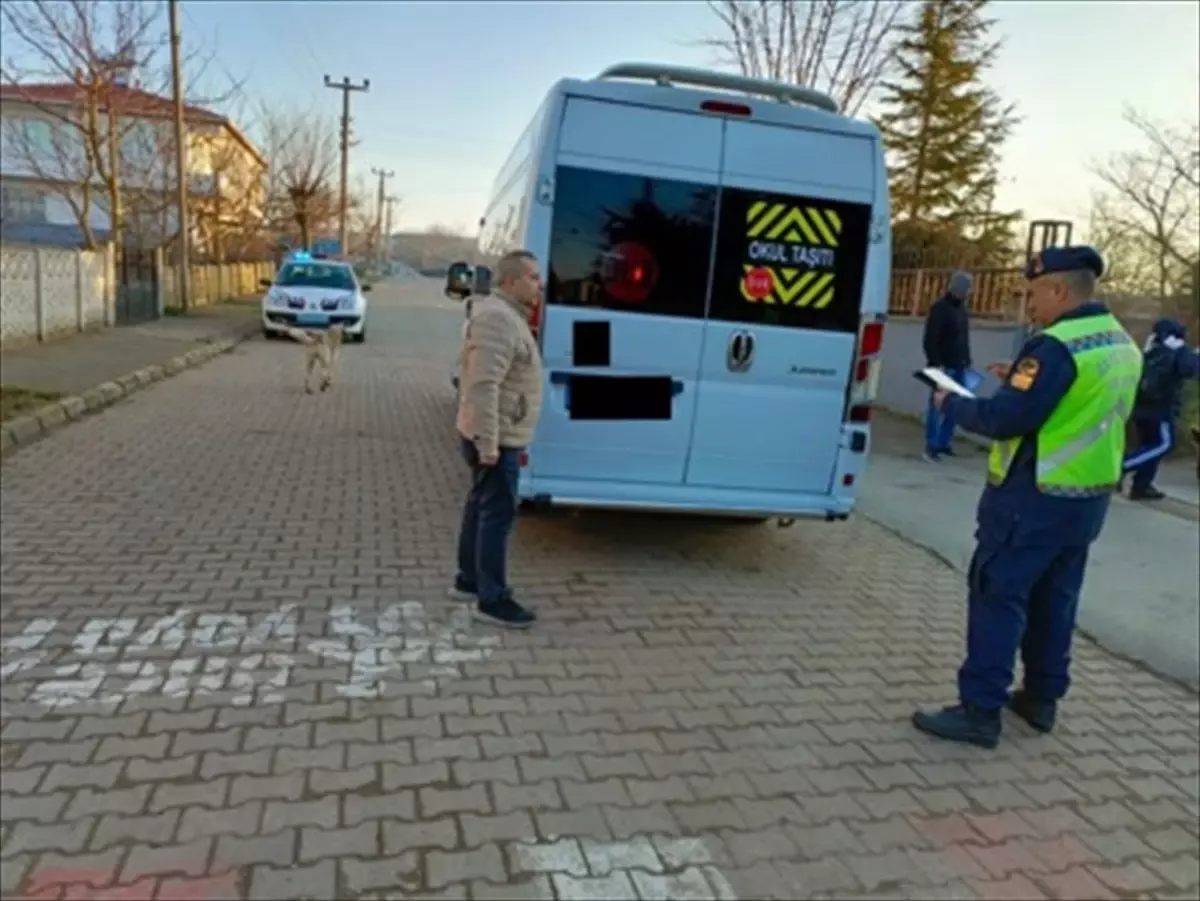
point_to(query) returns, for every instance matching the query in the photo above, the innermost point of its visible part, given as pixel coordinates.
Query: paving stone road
(229, 672)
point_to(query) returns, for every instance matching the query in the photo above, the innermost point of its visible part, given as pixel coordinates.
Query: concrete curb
(1176, 506)
(25, 430)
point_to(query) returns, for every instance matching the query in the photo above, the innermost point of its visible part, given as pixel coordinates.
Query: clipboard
(938, 380)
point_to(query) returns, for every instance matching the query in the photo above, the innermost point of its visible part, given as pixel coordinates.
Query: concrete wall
(214, 283)
(902, 354)
(49, 292)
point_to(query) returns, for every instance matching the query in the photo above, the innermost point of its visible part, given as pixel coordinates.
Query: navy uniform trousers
(1020, 596)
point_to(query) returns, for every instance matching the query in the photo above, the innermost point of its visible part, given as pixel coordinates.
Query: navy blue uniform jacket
(1015, 512)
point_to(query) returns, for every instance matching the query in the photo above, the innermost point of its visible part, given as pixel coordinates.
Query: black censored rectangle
(591, 344)
(608, 398)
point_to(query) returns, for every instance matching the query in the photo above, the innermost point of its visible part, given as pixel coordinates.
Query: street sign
(758, 282)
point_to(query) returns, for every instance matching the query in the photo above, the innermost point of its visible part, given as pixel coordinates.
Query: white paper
(944, 382)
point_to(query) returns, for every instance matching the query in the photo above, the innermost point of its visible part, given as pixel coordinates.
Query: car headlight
(349, 302)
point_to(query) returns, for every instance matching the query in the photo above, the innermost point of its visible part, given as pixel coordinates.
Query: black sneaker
(506, 613)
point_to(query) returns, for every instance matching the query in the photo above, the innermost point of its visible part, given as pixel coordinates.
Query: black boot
(1149, 493)
(962, 723)
(1040, 715)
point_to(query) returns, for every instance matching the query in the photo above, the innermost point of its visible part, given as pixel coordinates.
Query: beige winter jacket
(500, 381)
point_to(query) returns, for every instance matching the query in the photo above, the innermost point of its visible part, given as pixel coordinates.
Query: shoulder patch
(1024, 373)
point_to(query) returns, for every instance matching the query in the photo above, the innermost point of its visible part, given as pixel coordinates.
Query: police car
(716, 253)
(314, 292)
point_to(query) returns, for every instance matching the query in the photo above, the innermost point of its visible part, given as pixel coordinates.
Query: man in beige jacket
(500, 398)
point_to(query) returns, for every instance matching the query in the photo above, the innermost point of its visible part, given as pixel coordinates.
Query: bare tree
(230, 207)
(301, 150)
(841, 47)
(361, 235)
(1150, 205)
(87, 138)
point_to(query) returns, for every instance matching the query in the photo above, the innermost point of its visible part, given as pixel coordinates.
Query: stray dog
(320, 351)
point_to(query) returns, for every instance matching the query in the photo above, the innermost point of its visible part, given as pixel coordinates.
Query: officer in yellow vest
(1058, 431)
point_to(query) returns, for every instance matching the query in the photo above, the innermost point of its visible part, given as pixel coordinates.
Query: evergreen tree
(944, 130)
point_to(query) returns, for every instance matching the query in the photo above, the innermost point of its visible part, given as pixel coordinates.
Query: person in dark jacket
(1167, 363)
(947, 344)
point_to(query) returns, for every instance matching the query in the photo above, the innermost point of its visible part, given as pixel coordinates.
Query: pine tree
(945, 129)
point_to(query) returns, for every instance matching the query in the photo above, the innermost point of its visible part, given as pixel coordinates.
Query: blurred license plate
(311, 319)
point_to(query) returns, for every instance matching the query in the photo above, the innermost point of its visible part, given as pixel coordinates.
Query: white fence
(49, 292)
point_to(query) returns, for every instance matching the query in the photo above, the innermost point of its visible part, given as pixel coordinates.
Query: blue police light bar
(300, 256)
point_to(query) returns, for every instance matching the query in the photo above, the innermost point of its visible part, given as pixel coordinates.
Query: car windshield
(315, 275)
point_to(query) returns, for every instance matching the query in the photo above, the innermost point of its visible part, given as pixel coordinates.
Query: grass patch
(1191, 403)
(16, 401)
(1189, 417)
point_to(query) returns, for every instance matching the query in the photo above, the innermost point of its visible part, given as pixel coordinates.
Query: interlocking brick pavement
(229, 672)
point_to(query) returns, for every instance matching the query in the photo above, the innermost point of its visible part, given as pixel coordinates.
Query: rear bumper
(686, 499)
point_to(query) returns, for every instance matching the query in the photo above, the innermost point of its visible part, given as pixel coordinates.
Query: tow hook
(785, 522)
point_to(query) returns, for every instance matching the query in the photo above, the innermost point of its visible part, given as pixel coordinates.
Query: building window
(29, 137)
(139, 142)
(22, 204)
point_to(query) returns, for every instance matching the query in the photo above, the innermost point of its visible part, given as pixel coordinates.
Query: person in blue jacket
(1168, 364)
(1057, 424)
(947, 346)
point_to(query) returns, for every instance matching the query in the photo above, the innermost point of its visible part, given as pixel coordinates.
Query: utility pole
(383, 175)
(386, 253)
(345, 86)
(180, 161)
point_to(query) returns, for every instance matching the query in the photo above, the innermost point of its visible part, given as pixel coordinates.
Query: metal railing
(995, 293)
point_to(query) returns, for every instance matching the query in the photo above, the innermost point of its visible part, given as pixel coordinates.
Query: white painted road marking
(375, 647)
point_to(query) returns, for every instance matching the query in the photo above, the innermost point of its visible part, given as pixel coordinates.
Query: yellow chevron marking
(767, 218)
(788, 293)
(822, 283)
(826, 300)
(795, 218)
(835, 220)
(755, 208)
(814, 216)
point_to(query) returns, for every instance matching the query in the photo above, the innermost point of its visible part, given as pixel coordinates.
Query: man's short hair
(1081, 283)
(511, 266)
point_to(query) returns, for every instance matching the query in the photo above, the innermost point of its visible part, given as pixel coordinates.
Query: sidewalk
(1140, 599)
(76, 364)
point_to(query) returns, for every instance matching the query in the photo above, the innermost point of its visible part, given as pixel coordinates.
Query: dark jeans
(939, 428)
(487, 520)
